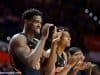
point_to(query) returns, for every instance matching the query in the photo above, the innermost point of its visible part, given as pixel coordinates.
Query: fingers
(73, 60)
(48, 25)
(55, 29)
(45, 30)
(56, 34)
(60, 33)
(89, 64)
(61, 30)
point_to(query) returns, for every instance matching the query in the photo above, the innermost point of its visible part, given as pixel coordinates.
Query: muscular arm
(51, 60)
(50, 66)
(22, 50)
(24, 53)
(37, 52)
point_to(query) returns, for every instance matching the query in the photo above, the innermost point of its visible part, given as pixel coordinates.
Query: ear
(27, 21)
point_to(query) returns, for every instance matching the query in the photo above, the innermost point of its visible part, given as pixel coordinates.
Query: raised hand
(73, 60)
(84, 65)
(45, 30)
(57, 35)
(90, 65)
(80, 66)
(54, 33)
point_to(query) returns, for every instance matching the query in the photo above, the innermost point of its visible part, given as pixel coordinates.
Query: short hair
(73, 50)
(28, 14)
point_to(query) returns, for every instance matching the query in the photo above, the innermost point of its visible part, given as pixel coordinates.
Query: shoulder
(18, 38)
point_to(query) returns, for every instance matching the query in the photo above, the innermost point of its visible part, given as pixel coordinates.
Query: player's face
(35, 24)
(80, 54)
(66, 38)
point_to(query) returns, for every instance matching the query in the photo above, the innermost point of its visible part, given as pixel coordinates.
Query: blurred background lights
(95, 18)
(8, 38)
(86, 10)
(99, 22)
(90, 14)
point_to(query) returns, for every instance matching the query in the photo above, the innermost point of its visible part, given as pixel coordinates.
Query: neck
(60, 50)
(30, 34)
